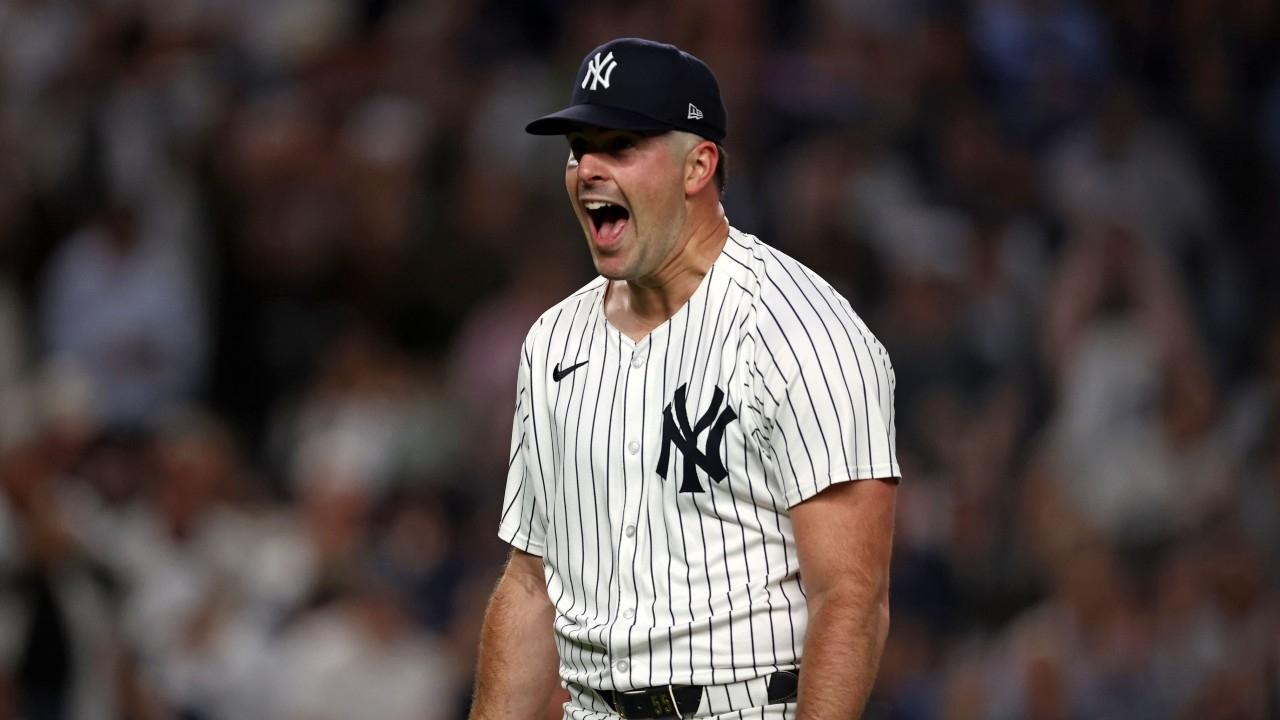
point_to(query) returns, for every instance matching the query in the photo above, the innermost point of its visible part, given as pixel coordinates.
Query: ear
(700, 167)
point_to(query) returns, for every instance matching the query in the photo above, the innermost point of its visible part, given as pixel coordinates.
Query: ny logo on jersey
(676, 431)
(598, 71)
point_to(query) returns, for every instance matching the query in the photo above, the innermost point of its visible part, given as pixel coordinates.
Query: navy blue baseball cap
(643, 86)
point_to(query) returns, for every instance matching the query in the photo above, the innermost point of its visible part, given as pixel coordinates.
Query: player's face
(627, 191)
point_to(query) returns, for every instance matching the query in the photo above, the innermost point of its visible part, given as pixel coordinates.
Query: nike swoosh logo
(557, 374)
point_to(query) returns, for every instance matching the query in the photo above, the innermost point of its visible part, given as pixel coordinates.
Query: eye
(621, 143)
(577, 148)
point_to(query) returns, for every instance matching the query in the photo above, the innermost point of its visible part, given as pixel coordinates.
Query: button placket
(632, 445)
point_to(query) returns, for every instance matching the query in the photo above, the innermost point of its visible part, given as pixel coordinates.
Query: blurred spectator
(60, 655)
(1133, 441)
(367, 414)
(179, 553)
(1082, 653)
(417, 556)
(117, 308)
(1125, 167)
(359, 657)
(42, 43)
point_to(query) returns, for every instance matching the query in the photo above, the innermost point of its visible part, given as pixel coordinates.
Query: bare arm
(519, 666)
(843, 537)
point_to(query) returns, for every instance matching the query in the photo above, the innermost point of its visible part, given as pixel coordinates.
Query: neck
(637, 306)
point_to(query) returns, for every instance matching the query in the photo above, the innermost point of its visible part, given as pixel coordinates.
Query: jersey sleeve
(522, 524)
(830, 387)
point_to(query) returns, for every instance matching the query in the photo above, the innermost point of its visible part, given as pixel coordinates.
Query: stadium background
(265, 267)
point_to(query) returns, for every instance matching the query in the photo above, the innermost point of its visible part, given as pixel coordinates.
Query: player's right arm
(519, 665)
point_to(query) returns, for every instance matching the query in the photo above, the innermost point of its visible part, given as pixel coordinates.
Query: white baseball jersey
(655, 477)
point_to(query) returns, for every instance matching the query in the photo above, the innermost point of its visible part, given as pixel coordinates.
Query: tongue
(610, 231)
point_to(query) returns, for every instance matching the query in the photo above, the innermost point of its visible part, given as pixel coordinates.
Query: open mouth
(607, 220)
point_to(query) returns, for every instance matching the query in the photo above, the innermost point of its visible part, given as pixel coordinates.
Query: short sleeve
(522, 524)
(832, 407)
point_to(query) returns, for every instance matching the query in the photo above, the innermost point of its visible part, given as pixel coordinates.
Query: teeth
(596, 204)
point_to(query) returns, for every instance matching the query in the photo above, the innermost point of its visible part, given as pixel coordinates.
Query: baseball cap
(643, 86)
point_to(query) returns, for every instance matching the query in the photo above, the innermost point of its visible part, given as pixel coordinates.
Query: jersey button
(622, 665)
(633, 447)
(628, 613)
(637, 360)
(630, 531)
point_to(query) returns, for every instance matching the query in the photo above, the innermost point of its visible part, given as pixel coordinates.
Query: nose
(592, 169)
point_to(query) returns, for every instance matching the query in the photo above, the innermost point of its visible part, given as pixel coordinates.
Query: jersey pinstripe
(655, 477)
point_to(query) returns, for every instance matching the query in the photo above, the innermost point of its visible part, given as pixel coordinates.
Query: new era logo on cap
(658, 88)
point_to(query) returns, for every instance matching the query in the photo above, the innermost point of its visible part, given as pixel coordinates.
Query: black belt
(682, 701)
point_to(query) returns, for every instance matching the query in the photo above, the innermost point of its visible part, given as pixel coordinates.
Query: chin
(611, 270)
(615, 267)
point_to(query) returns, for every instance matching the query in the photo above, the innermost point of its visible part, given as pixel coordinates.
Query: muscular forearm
(518, 664)
(841, 653)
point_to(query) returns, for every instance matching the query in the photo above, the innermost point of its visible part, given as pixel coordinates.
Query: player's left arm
(844, 536)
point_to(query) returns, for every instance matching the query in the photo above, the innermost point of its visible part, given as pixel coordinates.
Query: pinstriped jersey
(655, 478)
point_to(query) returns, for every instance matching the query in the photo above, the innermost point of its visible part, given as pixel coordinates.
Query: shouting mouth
(608, 220)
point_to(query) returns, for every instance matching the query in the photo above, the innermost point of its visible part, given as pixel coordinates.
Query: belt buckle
(663, 707)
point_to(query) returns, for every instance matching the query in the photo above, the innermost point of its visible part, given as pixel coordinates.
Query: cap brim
(560, 123)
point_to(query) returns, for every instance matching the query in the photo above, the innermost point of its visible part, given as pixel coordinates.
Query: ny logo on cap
(598, 71)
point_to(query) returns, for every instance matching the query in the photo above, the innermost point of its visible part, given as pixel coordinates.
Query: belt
(683, 701)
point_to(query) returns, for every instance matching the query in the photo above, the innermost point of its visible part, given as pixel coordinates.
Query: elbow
(869, 611)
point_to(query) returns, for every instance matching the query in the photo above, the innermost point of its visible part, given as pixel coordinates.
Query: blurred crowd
(265, 267)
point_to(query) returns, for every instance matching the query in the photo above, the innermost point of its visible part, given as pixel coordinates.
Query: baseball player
(702, 473)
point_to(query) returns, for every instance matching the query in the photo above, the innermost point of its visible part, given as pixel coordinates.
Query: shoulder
(786, 279)
(778, 277)
(571, 311)
(804, 319)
